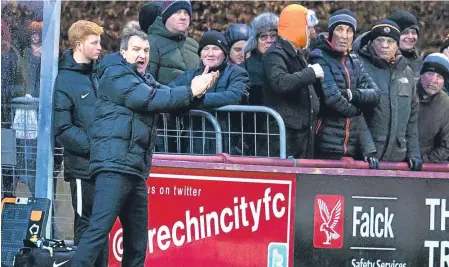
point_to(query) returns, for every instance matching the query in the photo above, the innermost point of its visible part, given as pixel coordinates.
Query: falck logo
(328, 221)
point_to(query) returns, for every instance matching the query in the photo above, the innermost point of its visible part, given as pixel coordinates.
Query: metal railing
(236, 129)
(258, 131)
(175, 137)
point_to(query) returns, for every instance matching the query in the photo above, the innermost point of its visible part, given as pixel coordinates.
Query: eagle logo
(330, 220)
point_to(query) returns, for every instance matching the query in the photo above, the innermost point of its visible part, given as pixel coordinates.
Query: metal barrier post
(215, 124)
(49, 70)
(267, 110)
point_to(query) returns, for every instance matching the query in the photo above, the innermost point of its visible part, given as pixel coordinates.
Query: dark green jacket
(434, 126)
(170, 54)
(394, 122)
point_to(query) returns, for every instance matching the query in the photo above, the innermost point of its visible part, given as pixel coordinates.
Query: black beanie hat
(341, 16)
(170, 7)
(405, 20)
(237, 32)
(149, 12)
(385, 28)
(213, 37)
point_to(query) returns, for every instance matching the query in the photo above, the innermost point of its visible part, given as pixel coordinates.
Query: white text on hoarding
(378, 263)
(213, 223)
(437, 246)
(372, 224)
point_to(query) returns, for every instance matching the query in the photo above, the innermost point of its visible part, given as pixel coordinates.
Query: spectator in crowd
(148, 14)
(33, 59)
(172, 52)
(237, 35)
(445, 50)
(346, 91)
(408, 25)
(434, 109)
(230, 88)
(290, 80)
(445, 47)
(19, 17)
(264, 33)
(130, 26)
(394, 122)
(74, 102)
(11, 76)
(122, 139)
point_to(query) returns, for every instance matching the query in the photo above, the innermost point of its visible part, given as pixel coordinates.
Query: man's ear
(78, 46)
(122, 51)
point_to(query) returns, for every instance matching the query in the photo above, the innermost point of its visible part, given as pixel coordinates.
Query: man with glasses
(263, 35)
(289, 80)
(394, 122)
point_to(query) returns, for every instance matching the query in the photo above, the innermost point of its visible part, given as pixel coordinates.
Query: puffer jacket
(123, 131)
(230, 88)
(171, 53)
(343, 130)
(74, 101)
(394, 122)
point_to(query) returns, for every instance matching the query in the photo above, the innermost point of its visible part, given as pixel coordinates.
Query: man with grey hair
(122, 142)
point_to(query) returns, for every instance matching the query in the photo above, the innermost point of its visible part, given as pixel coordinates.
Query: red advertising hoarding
(216, 218)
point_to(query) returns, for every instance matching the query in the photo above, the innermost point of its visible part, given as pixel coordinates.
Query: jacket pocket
(402, 144)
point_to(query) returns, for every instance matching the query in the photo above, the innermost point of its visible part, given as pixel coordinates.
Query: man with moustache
(408, 25)
(74, 101)
(394, 122)
(434, 109)
(122, 142)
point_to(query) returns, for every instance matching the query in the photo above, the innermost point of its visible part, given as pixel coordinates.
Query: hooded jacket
(171, 53)
(124, 129)
(74, 101)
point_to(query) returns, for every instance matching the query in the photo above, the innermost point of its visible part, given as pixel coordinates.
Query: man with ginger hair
(74, 101)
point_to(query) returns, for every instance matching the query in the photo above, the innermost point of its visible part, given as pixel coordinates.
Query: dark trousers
(83, 193)
(119, 195)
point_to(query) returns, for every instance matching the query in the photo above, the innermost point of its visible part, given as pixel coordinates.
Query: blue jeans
(116, 195)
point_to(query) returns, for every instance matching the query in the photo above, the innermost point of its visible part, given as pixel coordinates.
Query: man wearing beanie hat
(289, 80)
(230, 88)
(394, 122)
(434, 109)
(172, 52)
(346, 90)
(409, 28)
(236, 35)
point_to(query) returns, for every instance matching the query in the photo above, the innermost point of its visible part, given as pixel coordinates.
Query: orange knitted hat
(293, 25)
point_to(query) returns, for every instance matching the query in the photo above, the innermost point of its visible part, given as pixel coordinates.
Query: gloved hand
(345, 93)
(319, 73)
(372, 160)
(415, 164)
